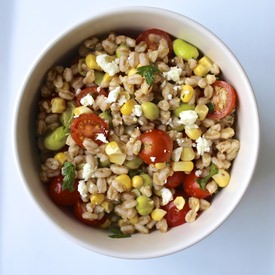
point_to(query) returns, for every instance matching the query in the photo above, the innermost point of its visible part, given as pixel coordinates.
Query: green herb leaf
(210, 106)
(148, 72)
(117, 234)
(68, 171)
(213, 171)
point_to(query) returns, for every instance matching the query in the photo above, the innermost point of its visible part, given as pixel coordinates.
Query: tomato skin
(157, 146)
(175, 180)
(62, 197)
(88, 126)
(228, 106)
(192, 188)
(93, 90)
(144, 36)
(174, 216)
(79, 209)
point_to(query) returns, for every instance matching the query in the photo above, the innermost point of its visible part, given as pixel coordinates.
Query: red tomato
(192, 188)
(174, 216)
(79, 209)
(157, 146)
(63, 197)
(224, 100)
(88, 126)
(93, 91)
(152, 44)
(175, 180)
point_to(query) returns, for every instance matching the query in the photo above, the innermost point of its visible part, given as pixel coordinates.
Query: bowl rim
(16, 113)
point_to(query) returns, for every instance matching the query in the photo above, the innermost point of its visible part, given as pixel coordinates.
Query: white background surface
(244, 244)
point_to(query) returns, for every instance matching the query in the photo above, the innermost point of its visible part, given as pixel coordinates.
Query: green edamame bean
(185, 50)
(134, 163)
(67, 115)
(150, 110)
(183, 107)
(98, 77)
(56, 139)
(144, 205)
(147, 180)
(122, 49)
(106, 116)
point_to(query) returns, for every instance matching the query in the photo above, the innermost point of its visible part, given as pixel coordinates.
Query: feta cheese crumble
(113, 95)
(102, 138)
(82, 189)
(87, 171)
(203, 145)
(103, 60)
(137, 110)
(87, 100)
(166, 195)
(173, 74)
(188, 118)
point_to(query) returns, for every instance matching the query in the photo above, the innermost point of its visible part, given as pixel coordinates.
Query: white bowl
(154, 244)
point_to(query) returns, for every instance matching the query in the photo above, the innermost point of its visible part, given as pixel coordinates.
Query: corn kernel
(185, 166)
(58, 105)
(60, 157)
(81, 110)
(200, 70)
(206, 62)
(108, 206)
(125, 180)
(202, 111)
(193, 133)
(160, 165)
(187, 93)
(117, 158)
(112, 148)
(134, 220)
(158, 214)
(179, 202)
(106, 78)
(137, 181)
(187, 154)
(222, 178)
(132, 71)
(91, 62)
(128, 107)
(97, 199)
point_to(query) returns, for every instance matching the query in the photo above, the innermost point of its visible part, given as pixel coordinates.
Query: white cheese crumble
(166, 195)
(176, 154)
(113, 95)
(169, 97)
(87, 171)
(82, 189)
(153, 159)
(137, 110)
(122, 100)
(198, 173)
(188, 118)
(87, 100)
(102, 138)
(203, 145)
(103, 60)
(173, 74)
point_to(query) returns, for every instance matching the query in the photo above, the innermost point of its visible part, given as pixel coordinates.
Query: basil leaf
(213, 171)
(117, 234)
(68, 171)
(148, 72)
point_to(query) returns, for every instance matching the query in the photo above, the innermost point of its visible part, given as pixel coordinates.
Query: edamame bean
(183, 107)
(106, 116)
(134, 163)
(150, 110)
(185, 50)
(144, 205)
(56, 139)
(147, 180)
(67, 116)
(98, 77)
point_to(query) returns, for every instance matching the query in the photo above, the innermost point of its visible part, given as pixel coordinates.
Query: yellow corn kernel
(117, 158)
(81, 110)
(179, 202)
(125, 180)
(158, 214)
(184, 166)
(112, 148)
(134, 220)
(222, 178)
(106, 224)
(193, 133)
(108, 206)
(202, 111)
(200, 70)
(187, 154)
(206, 62)
(91, 63)
(160, 165)
(128, 107)
(106, 78)
(58, 105)
(187, 93)
(97, 199)
(137, 181)
(132, 71)
(60, 157)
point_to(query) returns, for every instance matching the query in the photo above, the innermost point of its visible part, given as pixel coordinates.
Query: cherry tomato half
(79, 209)
(62, 197)
(174, 216)
(192, 188)
(153, 43)
(224, 100)
(94, 91)
(88, 126)
(157, 146)
(175, 180)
